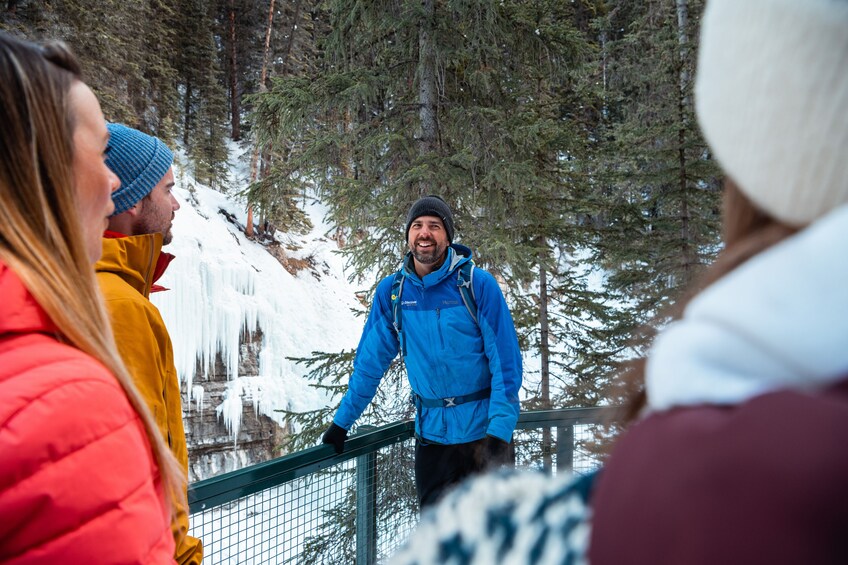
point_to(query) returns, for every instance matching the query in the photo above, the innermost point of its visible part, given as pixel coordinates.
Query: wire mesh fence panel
(541, 448)
(530, 452)
(588, 445)
(397, 501)
(275, 525)
(359, 507)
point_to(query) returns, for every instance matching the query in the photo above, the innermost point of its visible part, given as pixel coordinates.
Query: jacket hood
(457, 254)
(138, 259)
(19, 312)
(778, 321)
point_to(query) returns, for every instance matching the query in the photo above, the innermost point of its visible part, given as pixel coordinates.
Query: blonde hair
(41, 237)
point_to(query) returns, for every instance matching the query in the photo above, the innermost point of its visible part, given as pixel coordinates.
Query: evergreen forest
(561, 132)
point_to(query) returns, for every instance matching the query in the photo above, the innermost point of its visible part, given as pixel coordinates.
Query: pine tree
(240, 24)
(203, 95)
(124, 51)
(488, 105)
(661, 220)
(472, 101)
(289, 50)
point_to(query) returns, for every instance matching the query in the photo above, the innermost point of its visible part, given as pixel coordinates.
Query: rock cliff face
(212, 449)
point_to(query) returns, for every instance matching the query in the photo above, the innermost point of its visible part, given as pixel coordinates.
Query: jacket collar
(777, 321)
(19, 312)
(137, 259)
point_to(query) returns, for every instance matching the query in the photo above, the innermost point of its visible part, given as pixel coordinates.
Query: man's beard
(435, 253)
(148, 223)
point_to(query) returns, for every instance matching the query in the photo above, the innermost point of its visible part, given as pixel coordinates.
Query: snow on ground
(222, 284)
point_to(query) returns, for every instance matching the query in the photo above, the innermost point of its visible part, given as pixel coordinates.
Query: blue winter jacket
(447, 353)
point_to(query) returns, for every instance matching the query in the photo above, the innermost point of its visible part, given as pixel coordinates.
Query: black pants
(438, 466)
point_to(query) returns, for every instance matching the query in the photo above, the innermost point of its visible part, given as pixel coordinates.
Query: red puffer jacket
(78, 481)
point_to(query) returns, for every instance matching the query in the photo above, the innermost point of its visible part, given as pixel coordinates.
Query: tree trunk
(254, 160)
(290, 42)
(545, 351)
(604, 105)
(427, 85)
(267, 50)
(683, 101)
(683, 44)
(187, 112)
(235, 111)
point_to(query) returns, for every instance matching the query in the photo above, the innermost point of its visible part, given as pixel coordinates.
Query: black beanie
(431, 206)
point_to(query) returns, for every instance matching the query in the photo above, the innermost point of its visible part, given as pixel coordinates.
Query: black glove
(335, 436)
(497, 450)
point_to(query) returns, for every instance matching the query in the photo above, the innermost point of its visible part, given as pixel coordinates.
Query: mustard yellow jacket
(125, 273)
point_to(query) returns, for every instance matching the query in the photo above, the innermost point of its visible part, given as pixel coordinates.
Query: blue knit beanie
(431, 206)
(139, 160)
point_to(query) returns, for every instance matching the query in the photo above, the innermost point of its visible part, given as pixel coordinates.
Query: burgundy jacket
(765, 481)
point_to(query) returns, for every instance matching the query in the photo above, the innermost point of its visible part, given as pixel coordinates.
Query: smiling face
(93, 180)
(428, 242)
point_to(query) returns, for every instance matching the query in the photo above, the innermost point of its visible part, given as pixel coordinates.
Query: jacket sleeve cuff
(500, 434)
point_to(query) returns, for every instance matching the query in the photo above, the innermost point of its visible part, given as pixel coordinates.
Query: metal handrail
(565, 416)
(236, 484)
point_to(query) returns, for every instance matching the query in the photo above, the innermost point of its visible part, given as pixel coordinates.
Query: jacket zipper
(439, 327)
(148, 274)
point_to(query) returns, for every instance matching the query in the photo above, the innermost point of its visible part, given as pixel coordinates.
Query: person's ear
(136, 210)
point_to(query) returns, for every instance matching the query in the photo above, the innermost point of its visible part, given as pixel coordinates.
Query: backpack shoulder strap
(465, 280)
(397, 311)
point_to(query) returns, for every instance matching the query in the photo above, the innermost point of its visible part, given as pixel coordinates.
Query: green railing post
(366, 506)
(565, 449)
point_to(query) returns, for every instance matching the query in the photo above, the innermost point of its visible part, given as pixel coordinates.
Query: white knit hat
(772, 99)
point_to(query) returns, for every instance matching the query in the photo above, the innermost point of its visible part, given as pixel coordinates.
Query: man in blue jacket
(465, 373)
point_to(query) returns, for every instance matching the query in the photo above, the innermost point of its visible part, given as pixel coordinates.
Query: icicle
(197, 393)
(224, 285)
(231, 408)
